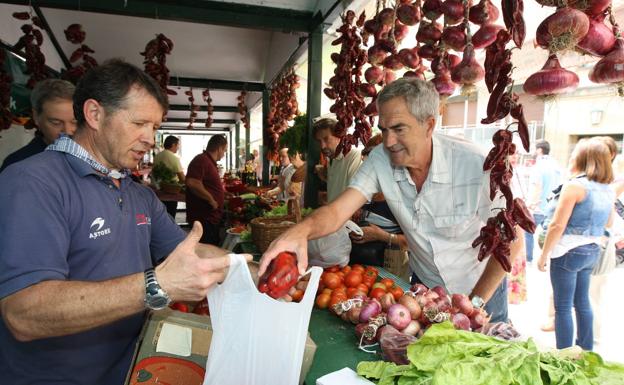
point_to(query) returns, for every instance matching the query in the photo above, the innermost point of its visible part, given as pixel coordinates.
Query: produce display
(31, 42)
(75, 34)
(446, 355)
(155, 60)
(283, 107)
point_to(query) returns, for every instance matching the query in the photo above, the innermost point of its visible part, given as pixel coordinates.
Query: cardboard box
(173, 347)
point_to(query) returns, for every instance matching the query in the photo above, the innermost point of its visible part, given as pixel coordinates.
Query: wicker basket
(265, 230)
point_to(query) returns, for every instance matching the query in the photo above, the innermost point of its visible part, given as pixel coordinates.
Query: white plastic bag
(256, 340)
(333, 249)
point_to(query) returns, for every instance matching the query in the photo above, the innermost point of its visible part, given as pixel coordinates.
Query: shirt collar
(66, 145)
(440, 169)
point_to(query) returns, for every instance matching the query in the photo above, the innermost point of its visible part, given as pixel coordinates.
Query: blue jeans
(529, 242)
(496, 307)
(569, 276)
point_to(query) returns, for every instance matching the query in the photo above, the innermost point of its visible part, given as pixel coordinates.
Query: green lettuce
(445, 356)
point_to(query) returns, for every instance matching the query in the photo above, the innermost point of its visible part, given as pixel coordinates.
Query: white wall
(13, 139)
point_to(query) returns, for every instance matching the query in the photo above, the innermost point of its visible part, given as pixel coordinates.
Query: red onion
(469, 71)
(408, 14)
(599, 40)
(376, 54)
(429, 33)
(389, 76)
(370, 309)
(432, 9)
(485, 36)
(461, 321)
(366, 90)
(444, 85)
(373, 74)
(478, 319)
(455, 37)
(413, 328)
(564, 29)
(551, 79)
(400, 31)
(428, 52)
(393, 62)
(386, 16)
(399, 316)
(453, 11)
(409, 57)
(610, 69)
(439, 290)
(419, 288)
(590, 7)
(484, 12)
(386, 301)
(462, 303)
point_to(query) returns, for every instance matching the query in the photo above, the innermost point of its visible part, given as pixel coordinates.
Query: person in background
(297, 181)
(517, 277)
(437, 191)
(169, 158)
(205, 193)
(341, 167)
(545, 176)
(287, 169)
(571, 246)
(53, 114)
(377, 223)
(86, 252)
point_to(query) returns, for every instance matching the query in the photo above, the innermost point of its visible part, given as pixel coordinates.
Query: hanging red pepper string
(76, 35)
(155, 61)
(31, 42)
(193, 108)
(208, 100)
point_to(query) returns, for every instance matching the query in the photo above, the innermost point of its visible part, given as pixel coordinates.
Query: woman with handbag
(572, 242)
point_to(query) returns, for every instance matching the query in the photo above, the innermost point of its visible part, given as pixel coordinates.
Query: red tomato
(346, 269)
(353, 279)
(396, 291)
(368, 281)
(377, 293)
(340, 289)
(331, 280)
(388, 282)
(297, 295)
(363, 288)
(179, 306)
(341, 275)
(322, 301)
(333, 269)
(351, 291)
(371, 274)
(380, 285)
(373, 269)
(357, 267)
(327, 291)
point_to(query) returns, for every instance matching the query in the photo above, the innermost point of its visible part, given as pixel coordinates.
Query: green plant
(296, 136)
(163, 174)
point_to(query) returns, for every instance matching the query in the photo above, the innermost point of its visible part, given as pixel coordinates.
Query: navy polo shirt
(63, 221)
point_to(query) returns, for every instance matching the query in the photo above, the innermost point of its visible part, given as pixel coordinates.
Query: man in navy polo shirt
(79, 242)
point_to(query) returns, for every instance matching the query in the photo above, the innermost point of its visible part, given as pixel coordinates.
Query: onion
(484, 12)
(427, 52)
(439, 289)
(590, 7)
(599, 40)
(412, 305)
(462, 303)
(359, 331)
(429, 33)
(432, 9)
(610, 69)
(551, 79)
(392, 62)
(409, 57)
(461, 321)
(399, 316)
(376, 54)
(478, 319)
(412, 74)
(366, 90)
(389, 76)
(386, 301)
(432, 295)
(563, 29)
(444, 304)
(408, 14)
(485, 36)
(467, 73)
(373, 74)
(371, 308)
(443, 84)
(453, 11)
(413, 328)
(371, 26)
(455, 37)
(386, 16)
(400, 31)
(354, 313)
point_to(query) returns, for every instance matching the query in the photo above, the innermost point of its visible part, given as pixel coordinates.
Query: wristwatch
(477, 302)
(156, 298)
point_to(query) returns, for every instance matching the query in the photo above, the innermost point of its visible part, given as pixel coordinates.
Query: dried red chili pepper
(281, 275)
(522, 215)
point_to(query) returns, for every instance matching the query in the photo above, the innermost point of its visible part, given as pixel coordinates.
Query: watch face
(158, 302)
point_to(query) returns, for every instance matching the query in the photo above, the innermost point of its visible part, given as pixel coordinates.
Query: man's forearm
(57, 308)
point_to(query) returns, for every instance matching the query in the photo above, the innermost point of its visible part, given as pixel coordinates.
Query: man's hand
(187, 277)
(294, 240)
(371, 233)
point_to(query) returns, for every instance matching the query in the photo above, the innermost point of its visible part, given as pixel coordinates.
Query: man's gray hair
(421, 97)
(50, 89)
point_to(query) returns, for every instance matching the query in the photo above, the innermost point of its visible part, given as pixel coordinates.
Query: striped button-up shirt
(441, 221)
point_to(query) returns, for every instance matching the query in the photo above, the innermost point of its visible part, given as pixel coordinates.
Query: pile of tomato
(339, 284)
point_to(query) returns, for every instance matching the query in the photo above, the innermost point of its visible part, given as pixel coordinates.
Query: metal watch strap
(155, 296)
(150, 277)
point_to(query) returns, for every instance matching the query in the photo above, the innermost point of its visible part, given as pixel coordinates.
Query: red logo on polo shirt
(142, 219)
